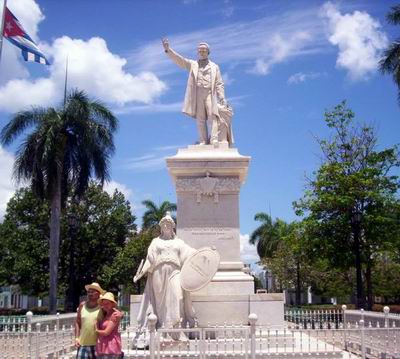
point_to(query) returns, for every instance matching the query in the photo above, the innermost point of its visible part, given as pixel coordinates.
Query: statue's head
(167, 224)
(203, 50)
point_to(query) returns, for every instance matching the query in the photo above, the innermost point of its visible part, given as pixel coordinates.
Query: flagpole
(3, 16)
(65, 82)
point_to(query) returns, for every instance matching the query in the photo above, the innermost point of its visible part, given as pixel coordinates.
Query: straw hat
(108, 296)
(95, 286)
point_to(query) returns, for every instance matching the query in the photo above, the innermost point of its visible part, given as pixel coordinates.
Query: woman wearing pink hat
(109, 339)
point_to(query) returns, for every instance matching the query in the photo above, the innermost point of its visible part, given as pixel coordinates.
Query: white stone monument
(207, 179)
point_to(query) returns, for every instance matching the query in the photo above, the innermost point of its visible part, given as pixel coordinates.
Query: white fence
(47, 322)
(21, 323)
(316, 339)
(335, 318)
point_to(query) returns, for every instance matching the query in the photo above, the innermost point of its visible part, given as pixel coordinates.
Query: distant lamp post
(356, 229)
(72, 299)
(268, 280)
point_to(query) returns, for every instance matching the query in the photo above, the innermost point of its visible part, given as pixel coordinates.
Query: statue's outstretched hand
(165, 43)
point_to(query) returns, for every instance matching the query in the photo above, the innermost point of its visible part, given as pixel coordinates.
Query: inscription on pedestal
(214, 232)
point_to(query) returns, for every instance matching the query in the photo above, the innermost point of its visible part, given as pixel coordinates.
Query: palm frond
(104, 116)
(19, 123)
(262, 217)
(255, 235)
(167, 206)
(150, 205)
(393, 17)
(390, 61)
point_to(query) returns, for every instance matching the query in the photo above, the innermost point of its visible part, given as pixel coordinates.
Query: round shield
(199, 269)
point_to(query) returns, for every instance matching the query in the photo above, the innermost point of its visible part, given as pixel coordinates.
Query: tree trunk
(72, 300)
(360, 301)
(298, 285)
(54, 243)
(368, 280)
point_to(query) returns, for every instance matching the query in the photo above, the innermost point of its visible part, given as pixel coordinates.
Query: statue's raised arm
(205, 94)
(175, 57)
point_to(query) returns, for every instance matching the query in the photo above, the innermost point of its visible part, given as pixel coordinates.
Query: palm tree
(65, 148)
(153, 214)
(268, 235)
(390, 63)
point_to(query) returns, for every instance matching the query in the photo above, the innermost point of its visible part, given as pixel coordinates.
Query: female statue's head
(167, 225)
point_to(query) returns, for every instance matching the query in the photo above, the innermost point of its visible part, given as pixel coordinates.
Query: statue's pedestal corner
(200, 160)
(218, 150)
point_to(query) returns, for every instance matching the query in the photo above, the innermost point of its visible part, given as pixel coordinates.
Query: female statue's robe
(163, 294)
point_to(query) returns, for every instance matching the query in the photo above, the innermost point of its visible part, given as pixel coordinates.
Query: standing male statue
(205, 96)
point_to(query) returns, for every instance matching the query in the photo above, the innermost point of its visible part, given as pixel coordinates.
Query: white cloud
(228, 80)
(111, 186)
(303, 77)
(41, 92)
(151, 108)
(7, 187)
(358, 38)
(227, 9)
(280, 49)
(91, 67)
(248, 252)
(146, 163)
(256, 45)
(151, 161)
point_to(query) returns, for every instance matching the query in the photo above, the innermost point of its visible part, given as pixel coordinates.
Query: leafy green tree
(154, 213)
(349, 202)
(386, 278)
(390, 62)
(294, 268)
(103, 225)
(126, 262)
(279, 247)
(65, 148)
(24, 243)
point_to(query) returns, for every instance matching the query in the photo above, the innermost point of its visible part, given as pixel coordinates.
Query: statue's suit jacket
(217, 85)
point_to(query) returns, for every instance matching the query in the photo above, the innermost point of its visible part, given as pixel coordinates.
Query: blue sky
(284, 64)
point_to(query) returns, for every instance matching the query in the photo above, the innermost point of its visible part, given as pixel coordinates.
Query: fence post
(57, 328)
(29, 330)
(386, 310)
(37, 356)
(151, 322)
(253, 320)
(344, 307)
(362, 327)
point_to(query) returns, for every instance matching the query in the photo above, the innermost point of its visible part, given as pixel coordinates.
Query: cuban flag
(15, 33)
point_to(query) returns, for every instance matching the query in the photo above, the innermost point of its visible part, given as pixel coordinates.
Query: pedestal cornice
(196, 161)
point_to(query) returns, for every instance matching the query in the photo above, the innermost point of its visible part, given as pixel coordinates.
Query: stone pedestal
(207, 181)
(230, 309)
